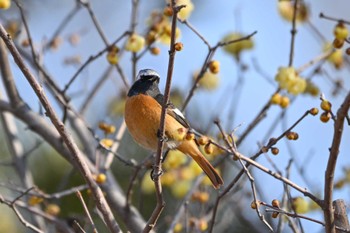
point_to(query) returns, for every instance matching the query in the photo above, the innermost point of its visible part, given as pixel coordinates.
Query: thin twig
(91, 59)
(62, 25)
(115, 146)
(322, 15)
(19, 215)
(90, 96)
(232, 148)
(293, 32)
(211, 53)
(86, 210)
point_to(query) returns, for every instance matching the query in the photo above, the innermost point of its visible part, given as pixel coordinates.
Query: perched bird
(143, 108)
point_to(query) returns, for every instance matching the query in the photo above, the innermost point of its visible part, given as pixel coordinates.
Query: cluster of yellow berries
(112, 55)
(159, 30)
(292, 135)
(107, 129)
(289, 79)
(341, 33)
(51, 209)
(281, 100)
(326, 106)
(196, 225)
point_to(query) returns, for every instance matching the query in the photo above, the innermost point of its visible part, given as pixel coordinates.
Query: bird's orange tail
(190, 148)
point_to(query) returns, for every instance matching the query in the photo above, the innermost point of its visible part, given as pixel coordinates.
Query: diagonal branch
(331, 165)
(66, 137)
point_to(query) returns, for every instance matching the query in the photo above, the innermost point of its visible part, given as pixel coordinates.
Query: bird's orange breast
(142, 117)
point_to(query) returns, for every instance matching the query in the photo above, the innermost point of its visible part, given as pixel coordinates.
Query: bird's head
(146, 83)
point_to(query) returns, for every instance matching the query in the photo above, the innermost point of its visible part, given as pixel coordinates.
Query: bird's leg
(153, 175)
(162, 137)
(165, 155)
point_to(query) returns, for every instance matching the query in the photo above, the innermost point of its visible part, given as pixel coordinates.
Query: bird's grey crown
(147, 73)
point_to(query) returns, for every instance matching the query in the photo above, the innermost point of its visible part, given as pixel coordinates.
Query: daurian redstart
(142, 116)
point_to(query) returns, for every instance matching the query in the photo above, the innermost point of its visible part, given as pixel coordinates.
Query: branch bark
(331, 165)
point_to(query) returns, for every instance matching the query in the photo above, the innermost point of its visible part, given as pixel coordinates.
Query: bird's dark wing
(173, 111)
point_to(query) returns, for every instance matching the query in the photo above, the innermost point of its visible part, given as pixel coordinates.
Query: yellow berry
(107, 128)
(203, 197)
(290, 135)
(168, 11)
(190, 136)
(101, 178)
(314, 111)
(203, 140)
(325, 116)
(34, 200)
(178, 228)
(155, 50)
(135, 43)
(274, 214)
(275, 203)
(112, 55)
(276, 98)
(52, 209)
(214, 67)
(341, 31)
(209, 148)
(179, 46)
(326, 105)
(275, 150)
(25, 43)
(336, 57)
(202, 224)
(5, 4)
(254, 204)
(180, 134)
(284, 102)
(106, 142)
(338, 43)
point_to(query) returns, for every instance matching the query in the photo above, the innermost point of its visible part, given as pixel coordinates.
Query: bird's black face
(147, 83)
